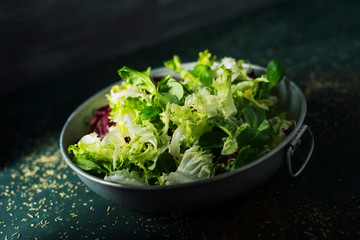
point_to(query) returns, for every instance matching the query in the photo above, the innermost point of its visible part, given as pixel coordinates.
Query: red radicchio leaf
(157, 79)
(289, 129)
(225, 158)
(252, 74)
(100, 122)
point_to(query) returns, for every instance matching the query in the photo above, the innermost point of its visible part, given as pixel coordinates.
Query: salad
(168, 130)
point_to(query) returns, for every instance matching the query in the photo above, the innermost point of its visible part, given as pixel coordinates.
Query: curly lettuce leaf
(90, 154)
(195, 165)
(191, 122)
(205, 58)
(126, 177)
(222, 85)
(239, 73)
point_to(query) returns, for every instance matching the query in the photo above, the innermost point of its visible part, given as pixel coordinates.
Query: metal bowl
(203, 193)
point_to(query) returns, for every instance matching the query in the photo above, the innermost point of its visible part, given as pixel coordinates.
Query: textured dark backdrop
(318, 42)
(42, 39)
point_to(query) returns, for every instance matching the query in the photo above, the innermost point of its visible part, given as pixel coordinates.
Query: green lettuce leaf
(140, 79)
(204, 73)
(222, 85)
(241, 157)
(252, 137)
(212, 139)
(191, 122)
(206, 59)
(171, 89)
(125, 177)
(275, 72)
(254, 116)
(194, 165)
(90, 154)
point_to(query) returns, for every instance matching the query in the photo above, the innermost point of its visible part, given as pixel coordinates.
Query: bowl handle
(293, 146)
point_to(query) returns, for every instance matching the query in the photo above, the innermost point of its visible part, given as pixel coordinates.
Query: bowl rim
(210, 180)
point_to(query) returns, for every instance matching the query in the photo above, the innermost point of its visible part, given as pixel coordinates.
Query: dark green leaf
(88, 165)
(107, 166)
(164, 164)
(204, 72)
(264, 127)
(149, 112)
(254, 116)
(263, 91)
(241, 157)
(224, 124)
(271, 113)
(252, 137)
(275, 72)
(212, 139)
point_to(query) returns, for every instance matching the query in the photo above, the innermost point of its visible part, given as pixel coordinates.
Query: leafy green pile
(217, 118)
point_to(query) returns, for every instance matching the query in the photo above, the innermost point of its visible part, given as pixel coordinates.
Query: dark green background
(318, 42)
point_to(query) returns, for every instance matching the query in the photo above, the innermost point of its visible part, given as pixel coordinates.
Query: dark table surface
(319, 44)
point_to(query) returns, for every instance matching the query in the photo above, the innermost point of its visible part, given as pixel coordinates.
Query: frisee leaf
(205, 58)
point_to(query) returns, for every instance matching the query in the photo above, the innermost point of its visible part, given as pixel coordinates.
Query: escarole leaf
(140, 79)
(275, 72)
(125, 177)
(195, 165)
